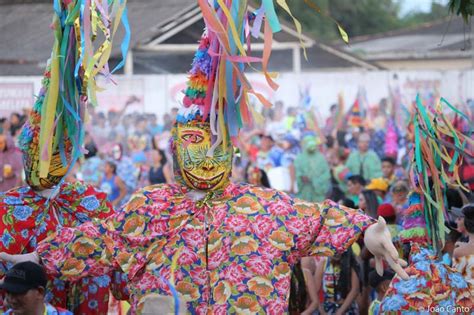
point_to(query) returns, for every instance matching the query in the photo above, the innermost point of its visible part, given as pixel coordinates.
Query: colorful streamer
(56, 124)
(438, 154)
(217, 83)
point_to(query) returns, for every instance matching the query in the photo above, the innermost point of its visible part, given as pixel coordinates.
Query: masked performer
(433, 285)
(218, 246)
(50, 142)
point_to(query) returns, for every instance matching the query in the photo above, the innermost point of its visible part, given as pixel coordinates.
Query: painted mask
(193, 165)
(56, 171)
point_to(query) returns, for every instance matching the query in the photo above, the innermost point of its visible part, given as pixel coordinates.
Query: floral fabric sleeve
(340, 228)
(94, 248)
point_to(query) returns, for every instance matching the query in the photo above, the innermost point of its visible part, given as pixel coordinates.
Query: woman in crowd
(256, 176)
(160, 172)
(463, 256)
(368, 202)
(339, 279)
(112, 184)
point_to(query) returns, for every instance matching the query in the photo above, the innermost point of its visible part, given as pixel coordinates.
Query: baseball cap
(377, 184)
(386, 210)
(24, 276)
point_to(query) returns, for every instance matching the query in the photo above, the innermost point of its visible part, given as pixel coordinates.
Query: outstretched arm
(95, 248)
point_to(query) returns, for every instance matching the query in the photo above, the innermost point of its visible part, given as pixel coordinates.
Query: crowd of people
(353, 165)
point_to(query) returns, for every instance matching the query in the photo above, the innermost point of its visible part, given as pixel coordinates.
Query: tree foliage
(361, 17)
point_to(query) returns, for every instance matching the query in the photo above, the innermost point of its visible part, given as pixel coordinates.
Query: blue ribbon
(126, 40)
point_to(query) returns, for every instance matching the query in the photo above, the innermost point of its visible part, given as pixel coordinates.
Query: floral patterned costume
(234, 249)
(433, 287)
(465, 266)
(27, 219)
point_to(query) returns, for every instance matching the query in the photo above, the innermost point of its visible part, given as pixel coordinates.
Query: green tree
(361, 17)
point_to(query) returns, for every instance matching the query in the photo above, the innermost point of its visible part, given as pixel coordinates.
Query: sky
(418, 5)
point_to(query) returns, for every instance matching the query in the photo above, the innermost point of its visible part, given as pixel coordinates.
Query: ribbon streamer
(57, 121)
(437, 155)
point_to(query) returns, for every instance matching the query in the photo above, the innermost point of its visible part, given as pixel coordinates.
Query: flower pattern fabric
(432, 285)
(27, 218)
(234, 248)
(465, 266)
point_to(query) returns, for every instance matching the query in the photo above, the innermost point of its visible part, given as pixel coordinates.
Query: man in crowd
(355, 186)
(25, 287)
(364, 162)
(388, 170)
(312, 172)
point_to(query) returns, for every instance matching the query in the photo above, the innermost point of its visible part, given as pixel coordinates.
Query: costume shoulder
(17, 196)
(280, 203)
(84, 200)
(19, 208)
(155, 198)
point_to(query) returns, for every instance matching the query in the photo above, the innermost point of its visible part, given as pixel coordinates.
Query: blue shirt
(50, 310)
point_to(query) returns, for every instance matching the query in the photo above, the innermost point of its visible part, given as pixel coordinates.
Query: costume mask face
(56, 171)
(192, 142)
(117, 152)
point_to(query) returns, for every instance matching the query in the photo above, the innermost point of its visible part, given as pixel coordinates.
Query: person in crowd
(355, 185)
(126, 170)
(380, 187)
(387, 211)
(154, 128)
(377, 141)
(331, 120)
(100, 129)
(380, 284)
(275, 123)
(398, 198)
(309, 267)
(312, 171)
(347, 202)
(10, 164)
(160, 171)
(458, 215)
(269, 155)
(167, 122)
(339, 279)
(16, 121)
(290, 118)
(290, 147)
(113, 185)
(339, 170)
(452, 239)
(466, 173)
(388, 170)
(364, 162)
(368, 202)
(90, 146)
(256, 176)
(117, 131)
(25, 287)
(463, 255)
(352, 137)
(92, 164)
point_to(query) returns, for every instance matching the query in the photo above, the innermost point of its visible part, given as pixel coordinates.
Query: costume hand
(379, 242)
(15, 259)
